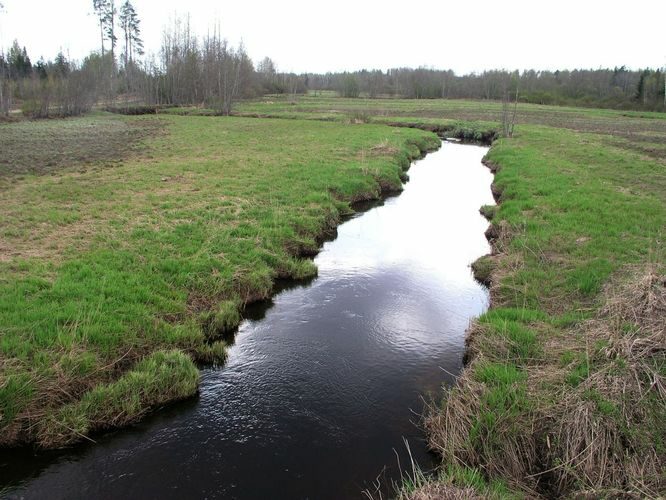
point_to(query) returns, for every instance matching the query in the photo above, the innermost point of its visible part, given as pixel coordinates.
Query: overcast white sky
(352, 34)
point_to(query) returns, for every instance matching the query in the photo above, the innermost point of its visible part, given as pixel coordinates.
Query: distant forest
(208, 71)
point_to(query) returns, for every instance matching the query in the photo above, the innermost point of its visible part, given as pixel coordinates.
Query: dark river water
(323, 386)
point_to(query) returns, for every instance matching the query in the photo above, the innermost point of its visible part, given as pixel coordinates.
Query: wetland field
(133, 247)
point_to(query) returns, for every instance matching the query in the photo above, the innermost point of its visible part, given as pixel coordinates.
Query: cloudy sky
(352, 34)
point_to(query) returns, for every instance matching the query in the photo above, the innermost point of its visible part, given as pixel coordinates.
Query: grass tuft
(160, 378)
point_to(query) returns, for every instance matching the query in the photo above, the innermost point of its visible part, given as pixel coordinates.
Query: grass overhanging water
(106, 266)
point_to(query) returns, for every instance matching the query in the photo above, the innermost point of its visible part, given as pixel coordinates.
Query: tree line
(208, 71)
(609, 88)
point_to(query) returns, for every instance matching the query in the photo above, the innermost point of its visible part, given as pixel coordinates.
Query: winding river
(322, 390)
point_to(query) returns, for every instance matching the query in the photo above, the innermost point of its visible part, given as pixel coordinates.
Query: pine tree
(100, 7)
(136, 42)
(61, 66)
(110, 13)
(641, 94)
(41, 69)
(129, 22)
(19, 62)
(124, 19)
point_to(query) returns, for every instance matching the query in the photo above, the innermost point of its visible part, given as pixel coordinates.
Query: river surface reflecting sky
(324, 383)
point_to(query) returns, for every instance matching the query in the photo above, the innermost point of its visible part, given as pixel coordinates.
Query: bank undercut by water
(116, 278)
(564, 392)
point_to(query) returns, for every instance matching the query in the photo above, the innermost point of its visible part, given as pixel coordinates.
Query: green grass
(101, 267)
(578, 210)
(582, 207)
(106, 266)
(159, 378)
(521, 341)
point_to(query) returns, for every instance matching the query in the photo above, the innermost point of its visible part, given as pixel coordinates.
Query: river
(322, 390)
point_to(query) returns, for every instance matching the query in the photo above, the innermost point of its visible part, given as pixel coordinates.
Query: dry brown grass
(383, 148)
(597, 428)
(438, 491)
(594, 438)
(48, 146)
(50, 243)
(449, 427)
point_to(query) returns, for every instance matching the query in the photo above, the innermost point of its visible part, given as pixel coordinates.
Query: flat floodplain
(564, 390)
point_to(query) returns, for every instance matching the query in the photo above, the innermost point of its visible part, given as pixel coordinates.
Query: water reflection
(321, 387)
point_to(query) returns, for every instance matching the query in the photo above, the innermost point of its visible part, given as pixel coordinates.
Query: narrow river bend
(322, 384)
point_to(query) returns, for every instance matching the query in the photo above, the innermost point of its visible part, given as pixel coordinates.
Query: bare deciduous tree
(210, 72)
(509, 114)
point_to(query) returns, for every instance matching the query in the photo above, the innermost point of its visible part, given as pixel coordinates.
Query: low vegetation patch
(159, 378)
(488, 211)
(582, 417)
(133, 109)
(482, 269)
(46, 146)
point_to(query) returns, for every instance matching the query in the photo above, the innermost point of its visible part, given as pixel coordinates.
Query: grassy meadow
(115, 276)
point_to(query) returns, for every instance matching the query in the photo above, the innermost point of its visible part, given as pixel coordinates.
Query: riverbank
(117, 278)
(563, 393)
(564, 389)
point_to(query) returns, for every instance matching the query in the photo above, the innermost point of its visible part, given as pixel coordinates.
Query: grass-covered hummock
(159, 378)
(105, 267)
